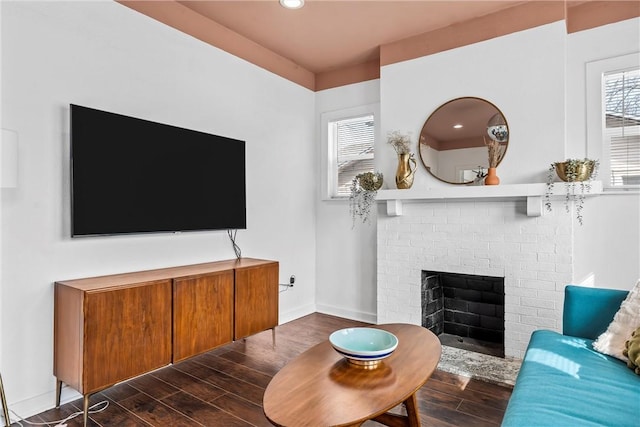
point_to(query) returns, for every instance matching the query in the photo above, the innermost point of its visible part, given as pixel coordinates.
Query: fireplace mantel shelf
(533, 193)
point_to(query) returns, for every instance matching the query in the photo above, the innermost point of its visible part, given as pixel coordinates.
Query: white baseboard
(347, 313)
(299, 312)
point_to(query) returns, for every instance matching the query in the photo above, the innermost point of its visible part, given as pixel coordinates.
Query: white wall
(345, 261)
(106, 56)
(607, 250)
(521, 73)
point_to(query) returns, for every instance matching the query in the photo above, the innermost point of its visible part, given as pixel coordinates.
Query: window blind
(622, 126)
(355, 150)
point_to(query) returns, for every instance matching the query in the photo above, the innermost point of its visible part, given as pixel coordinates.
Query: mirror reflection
(453, 139)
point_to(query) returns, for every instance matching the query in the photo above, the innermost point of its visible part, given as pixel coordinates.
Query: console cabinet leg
(85, 409)
(58, 392)
(273, 336)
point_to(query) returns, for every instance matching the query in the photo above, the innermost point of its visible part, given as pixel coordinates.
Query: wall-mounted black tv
(130, 175)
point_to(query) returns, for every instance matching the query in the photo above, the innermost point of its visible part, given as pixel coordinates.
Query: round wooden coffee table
(320, 388)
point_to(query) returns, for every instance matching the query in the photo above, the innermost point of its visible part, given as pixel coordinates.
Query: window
(622, 126)
(353, 142)
(350, 150)
(613, 120)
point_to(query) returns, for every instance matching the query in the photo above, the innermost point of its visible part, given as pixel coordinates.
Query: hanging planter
(364, 188)
(572, 171)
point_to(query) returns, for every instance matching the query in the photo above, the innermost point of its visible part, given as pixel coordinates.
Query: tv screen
(130, 175)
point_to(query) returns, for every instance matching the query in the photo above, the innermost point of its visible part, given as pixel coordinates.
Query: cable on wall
(232, 237)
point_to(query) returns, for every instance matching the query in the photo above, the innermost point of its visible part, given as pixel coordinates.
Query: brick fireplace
(485, 237)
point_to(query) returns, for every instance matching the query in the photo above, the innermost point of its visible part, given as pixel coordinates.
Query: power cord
(62, 423)
(232, 237)
(286, 286)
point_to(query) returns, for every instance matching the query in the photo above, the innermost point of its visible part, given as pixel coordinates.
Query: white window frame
(597, 145)
(329, 157)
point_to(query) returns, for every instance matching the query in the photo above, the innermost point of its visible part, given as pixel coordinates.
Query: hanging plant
(572, 171)
(364, 188)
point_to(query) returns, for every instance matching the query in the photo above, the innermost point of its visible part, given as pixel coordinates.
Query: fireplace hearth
(465, 311)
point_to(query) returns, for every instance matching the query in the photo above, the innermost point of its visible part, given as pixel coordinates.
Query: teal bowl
(364, 346)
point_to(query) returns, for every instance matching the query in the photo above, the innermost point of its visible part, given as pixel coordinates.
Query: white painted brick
(520, 327)
(522, 337)
(549, 314)
(526, 274)
(556, 277)
(512, 317)
(539, 321)
(402, 227)
(539, 303)
(523, 292)
(498, 263)
(522, 311)
(419, 243)
(463, 270)
(546, 266)
(438, 220)
(521, 238)
(564, 268)
(549, 295)
(448, 228)
(538, 284)
(538, 247)
(410, 219)
(503, 247)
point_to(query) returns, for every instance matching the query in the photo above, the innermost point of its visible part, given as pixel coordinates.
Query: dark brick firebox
(465, 306)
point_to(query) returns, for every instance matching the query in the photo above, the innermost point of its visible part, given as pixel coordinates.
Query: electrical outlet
(292, 280)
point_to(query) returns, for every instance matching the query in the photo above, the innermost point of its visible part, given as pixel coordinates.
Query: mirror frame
(435, 111)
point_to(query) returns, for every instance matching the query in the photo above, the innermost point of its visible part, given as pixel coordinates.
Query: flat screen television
(130, 175)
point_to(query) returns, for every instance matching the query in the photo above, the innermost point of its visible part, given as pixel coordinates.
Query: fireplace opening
(465, 311)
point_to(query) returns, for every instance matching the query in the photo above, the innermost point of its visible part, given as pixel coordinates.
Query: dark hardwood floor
(224, 387)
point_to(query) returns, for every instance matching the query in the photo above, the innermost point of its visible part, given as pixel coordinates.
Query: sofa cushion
(625, 321)
(564, 382)
(588, 311)
(632, 351)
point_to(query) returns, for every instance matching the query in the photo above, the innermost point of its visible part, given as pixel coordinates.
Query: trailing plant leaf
(364, 188)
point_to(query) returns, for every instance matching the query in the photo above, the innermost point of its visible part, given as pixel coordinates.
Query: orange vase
(492, 178)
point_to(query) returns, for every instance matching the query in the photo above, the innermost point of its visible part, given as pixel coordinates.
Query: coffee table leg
(412, 419)
(413, 416)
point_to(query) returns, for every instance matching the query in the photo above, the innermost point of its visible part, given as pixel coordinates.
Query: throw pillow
(626, 320)
(632, 351)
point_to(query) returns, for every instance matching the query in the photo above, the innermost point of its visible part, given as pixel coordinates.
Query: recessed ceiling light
(292, 4)
(458, 126)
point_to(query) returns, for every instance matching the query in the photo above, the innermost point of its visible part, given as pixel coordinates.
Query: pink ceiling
(329, 35)
(329, 43)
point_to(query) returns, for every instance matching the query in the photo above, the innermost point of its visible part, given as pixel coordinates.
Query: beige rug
(497, 370)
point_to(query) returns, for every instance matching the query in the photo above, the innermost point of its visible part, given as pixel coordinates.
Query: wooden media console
(112, 328)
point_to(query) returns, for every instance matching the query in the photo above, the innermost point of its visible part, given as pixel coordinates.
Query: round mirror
(453, 140)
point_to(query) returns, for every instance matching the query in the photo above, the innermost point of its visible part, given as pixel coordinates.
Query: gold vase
(405, 171)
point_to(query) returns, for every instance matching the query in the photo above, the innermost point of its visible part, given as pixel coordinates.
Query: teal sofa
(563, 381)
